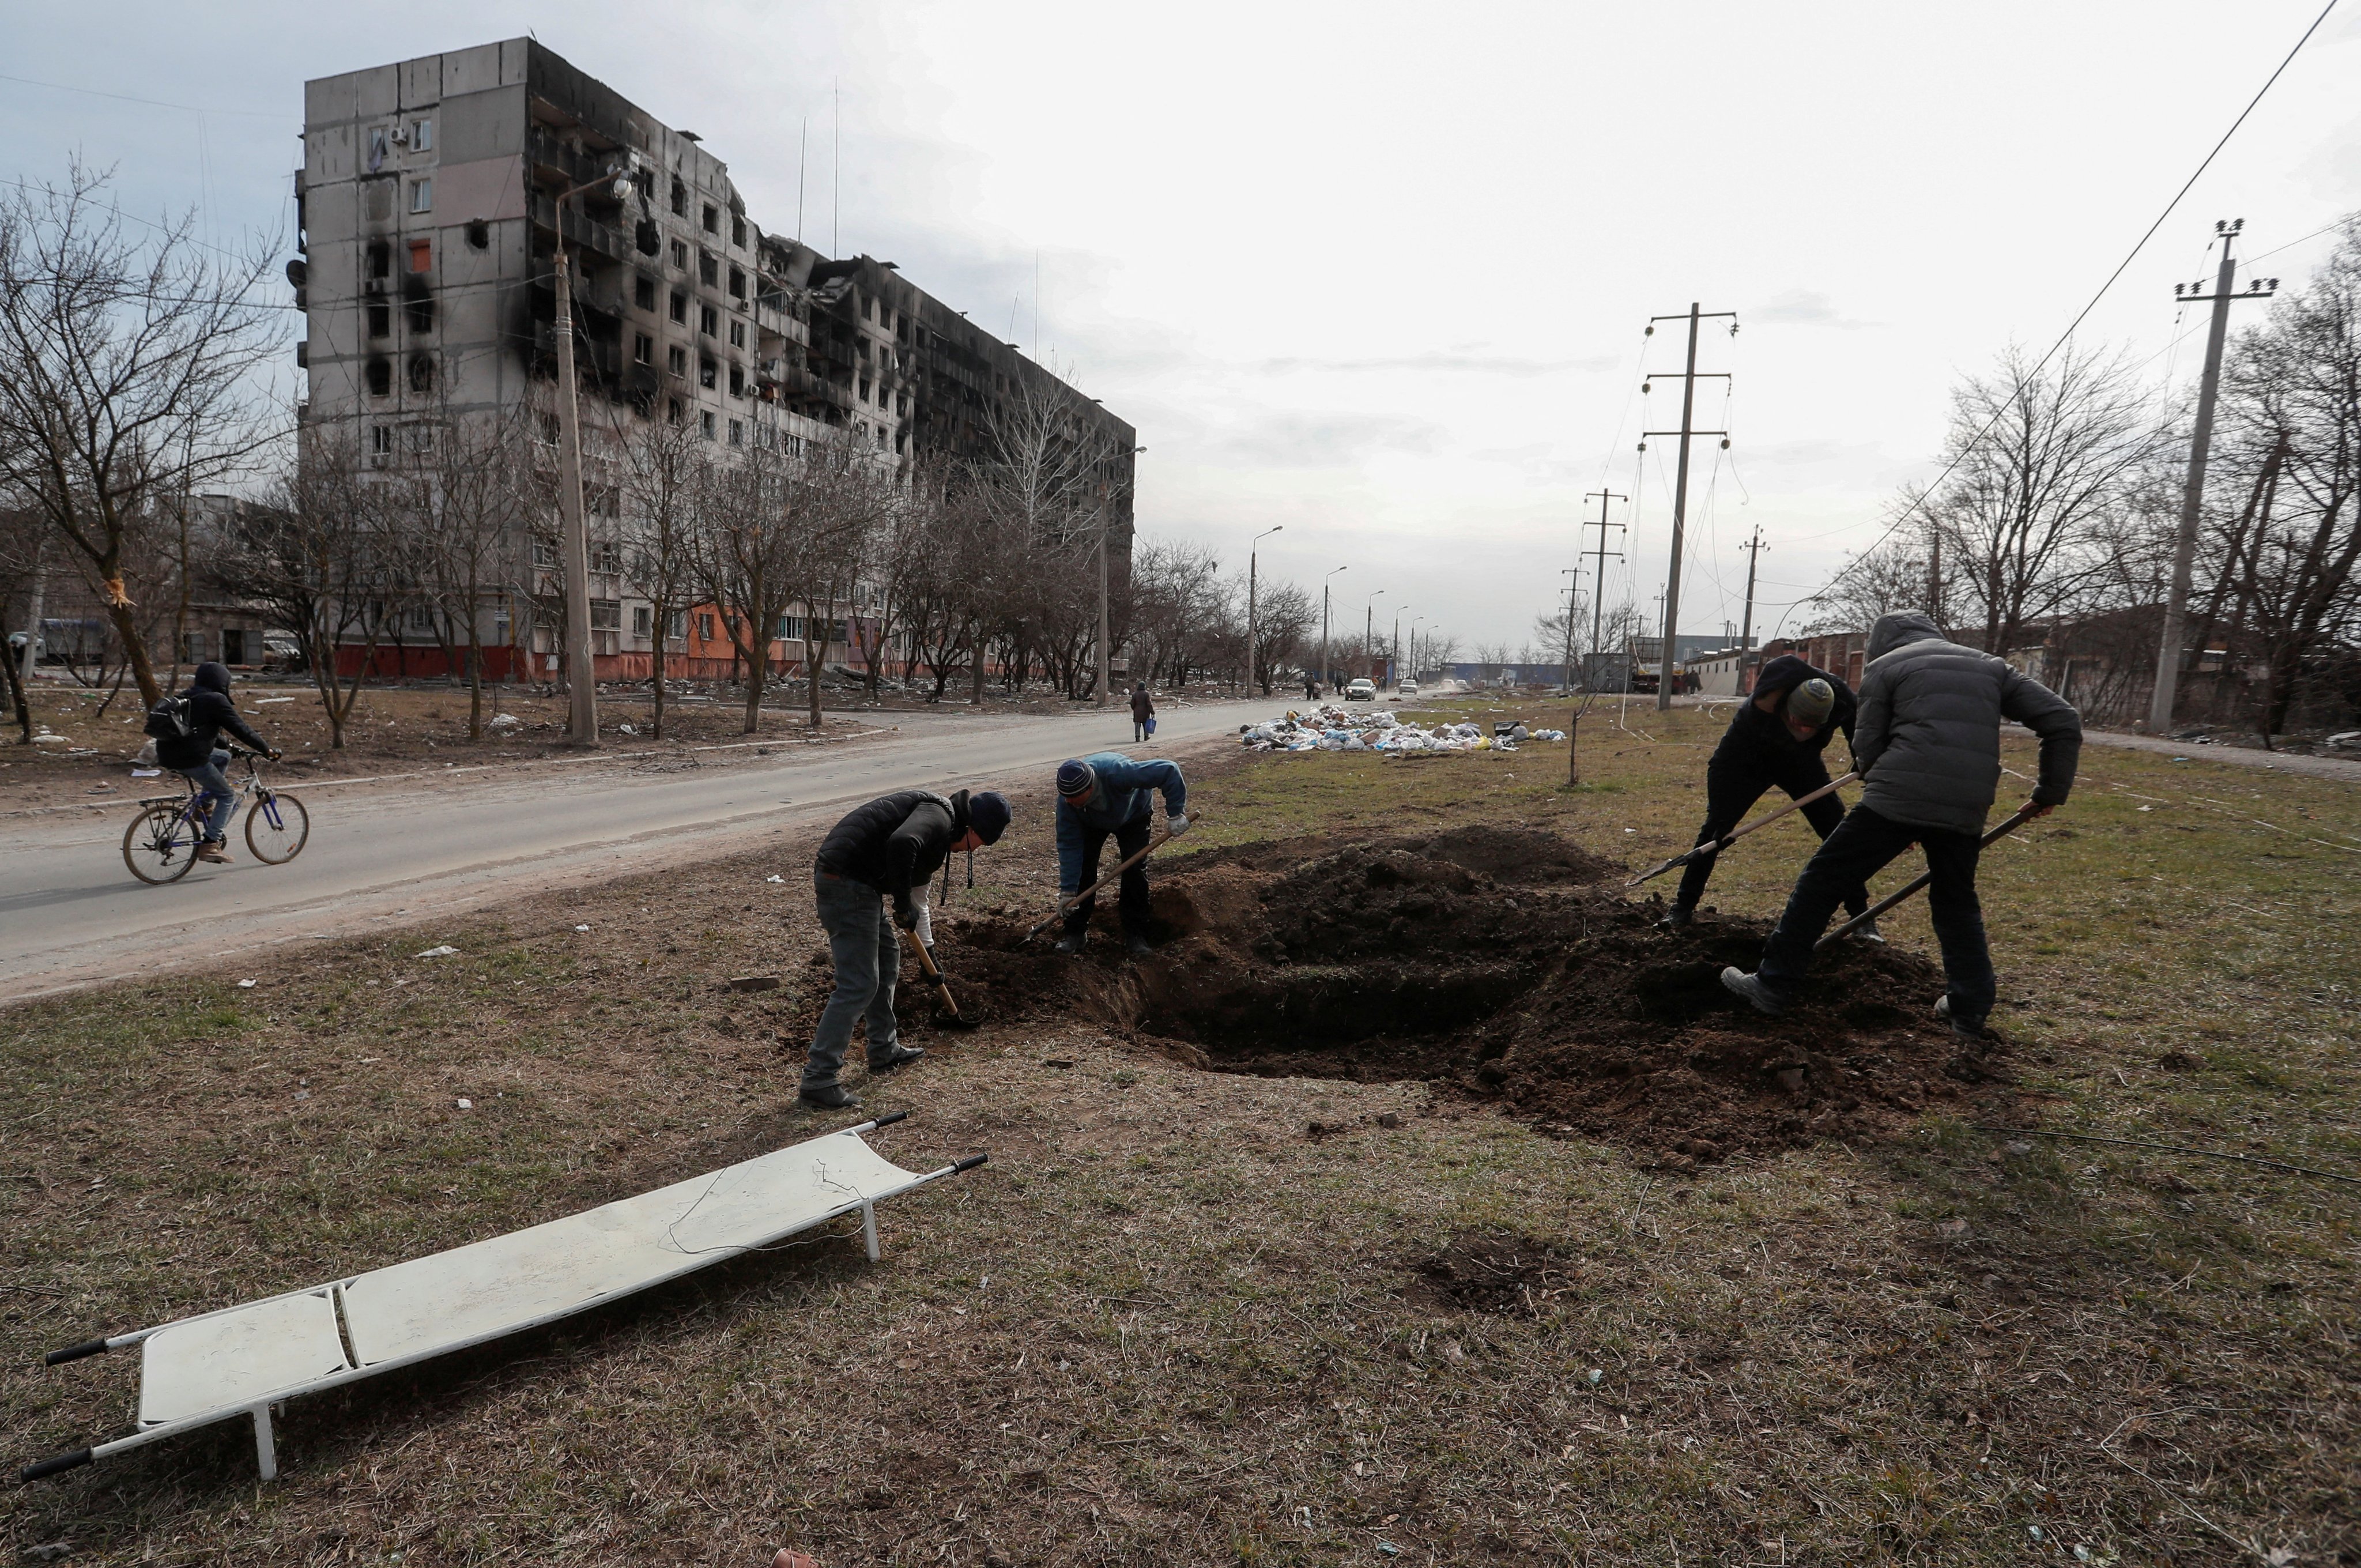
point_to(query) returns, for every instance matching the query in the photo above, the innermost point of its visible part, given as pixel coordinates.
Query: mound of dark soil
(1492, 960)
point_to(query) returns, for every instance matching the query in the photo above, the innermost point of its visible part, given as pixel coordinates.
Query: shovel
(957, 1020)
(2023, 816)
(1704, 851)
(1067, 905)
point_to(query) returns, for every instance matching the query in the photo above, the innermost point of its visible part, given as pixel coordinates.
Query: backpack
(169, 719)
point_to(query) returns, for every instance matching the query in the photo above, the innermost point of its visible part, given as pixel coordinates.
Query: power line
(2084, 313)
(151, 102)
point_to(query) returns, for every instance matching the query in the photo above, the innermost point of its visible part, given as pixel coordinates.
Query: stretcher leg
(266, 1454)
(869, 1228)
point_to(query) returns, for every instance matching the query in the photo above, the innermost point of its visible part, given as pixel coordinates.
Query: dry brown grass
(1167, 1325)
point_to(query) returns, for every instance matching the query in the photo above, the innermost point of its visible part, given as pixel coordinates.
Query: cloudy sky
(1379, 273)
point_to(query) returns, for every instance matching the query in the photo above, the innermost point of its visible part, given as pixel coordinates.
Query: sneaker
(1867, 931)
(1138, 946)
(1071, 943)
(211, 851)
(827, 1097)
(902, 1054)
(1677, 917)
(1737, 982)
(1962, 1028)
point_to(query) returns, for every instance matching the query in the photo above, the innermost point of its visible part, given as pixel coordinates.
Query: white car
(1407, 690)
(1361, 691)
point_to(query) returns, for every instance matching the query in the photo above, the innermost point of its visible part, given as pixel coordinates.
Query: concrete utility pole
(1746, 627)
(1393, 648)
(1598, 577)
(1324, 625)
(1573, 592)
(581, 679)
(1258, 539)
(1103, 659)
(1689, 378)
(1369, 624)
(2192, 495)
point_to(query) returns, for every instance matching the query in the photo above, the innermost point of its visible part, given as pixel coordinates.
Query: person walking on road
(1775, 739)
(1108, 793)
(886, 850)
(1926, 744)
(188, 741)
(1142, 708)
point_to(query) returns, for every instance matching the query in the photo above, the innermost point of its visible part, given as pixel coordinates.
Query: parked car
(1361, 691)
(1407, 691)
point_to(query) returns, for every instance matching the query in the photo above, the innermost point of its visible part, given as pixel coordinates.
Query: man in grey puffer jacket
(1927, 742)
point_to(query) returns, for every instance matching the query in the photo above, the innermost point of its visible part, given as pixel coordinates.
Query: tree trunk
(657, 665)
(757, 668)
(135, 652)
(16, 694)
(816, 655)
(474, 681)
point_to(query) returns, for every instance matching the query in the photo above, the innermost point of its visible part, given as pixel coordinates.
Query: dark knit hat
(988, 814)
(1812, 702)
(1076, 779)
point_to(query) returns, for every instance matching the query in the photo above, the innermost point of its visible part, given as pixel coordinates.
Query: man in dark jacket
(1927, 743)
(188, 741)
(1142, 708)
(1110, 793)
(886, 850)
(1775, 739)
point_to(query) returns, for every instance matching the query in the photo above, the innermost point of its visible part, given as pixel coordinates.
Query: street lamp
(582, 687)
(1369, 622)
(1393, 648)
(1258, 539)
(1324, 627)
(1414, 623)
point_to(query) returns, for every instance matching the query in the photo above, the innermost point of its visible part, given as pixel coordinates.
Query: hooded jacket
(210, 712)
(1928, 737)
(896, 841)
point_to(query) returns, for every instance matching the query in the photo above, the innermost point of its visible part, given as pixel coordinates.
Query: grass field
(1167, 1325)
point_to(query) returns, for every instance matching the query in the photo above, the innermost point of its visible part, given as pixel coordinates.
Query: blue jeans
(865, 948)
(214, 789)
(1860, 846)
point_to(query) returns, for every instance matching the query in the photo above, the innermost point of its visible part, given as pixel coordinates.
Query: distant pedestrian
(886, 850)
(1142, 708)
(1926, 744)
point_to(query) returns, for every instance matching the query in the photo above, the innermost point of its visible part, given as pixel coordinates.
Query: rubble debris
(1328, 728)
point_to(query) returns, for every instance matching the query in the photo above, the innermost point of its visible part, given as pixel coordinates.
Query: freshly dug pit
(1507, 1276)
(1501, 962)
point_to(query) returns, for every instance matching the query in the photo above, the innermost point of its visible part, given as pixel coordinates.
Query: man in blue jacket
(1926, 744)
(1110, 793)
(1775, 739)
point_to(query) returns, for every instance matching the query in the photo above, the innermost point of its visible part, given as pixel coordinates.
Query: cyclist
(188, 741)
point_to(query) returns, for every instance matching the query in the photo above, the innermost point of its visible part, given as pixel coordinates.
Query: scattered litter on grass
(754, 982)
(774, 877)
(245, 985)
(442, 952)
(466, 1105)
(582, 927)
(504, 721)
(268, 701)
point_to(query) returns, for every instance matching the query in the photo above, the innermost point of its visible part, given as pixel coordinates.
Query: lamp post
(1414, 621)
(1324, 625)
(1258, 539)
(1369, 622)
(1393, 648)
(582, 687)
(1104, 652)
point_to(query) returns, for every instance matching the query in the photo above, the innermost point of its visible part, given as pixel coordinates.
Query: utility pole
(1746, 627)
(1258, 539)
(1598, 577)
(1103, 650)
(1369, 624)
(1324, 625)
(1573, 592)
(1689, 378)
(2192, 495)
(1934, 569)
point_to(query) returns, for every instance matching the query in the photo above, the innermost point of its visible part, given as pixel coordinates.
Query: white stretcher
(242, 1360)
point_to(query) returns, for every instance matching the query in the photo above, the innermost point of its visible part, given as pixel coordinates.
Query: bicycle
(161, 845)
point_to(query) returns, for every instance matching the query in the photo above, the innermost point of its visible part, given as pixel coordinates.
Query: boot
(1867, 931)
(1137, 944)
(1962, 1028)
(1072, 942)
(827, 1097)
(1739, 982)
(211, 851)
(901, 1056)
(1676, 918)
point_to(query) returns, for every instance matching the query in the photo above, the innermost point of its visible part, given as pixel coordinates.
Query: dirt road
(72, 915)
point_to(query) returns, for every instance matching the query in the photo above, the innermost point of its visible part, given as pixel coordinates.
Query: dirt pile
(1504, 962)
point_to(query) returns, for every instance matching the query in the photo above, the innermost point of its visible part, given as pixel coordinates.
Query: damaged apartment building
(428, 223)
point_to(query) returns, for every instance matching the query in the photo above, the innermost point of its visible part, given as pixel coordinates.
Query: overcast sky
(1379, 273)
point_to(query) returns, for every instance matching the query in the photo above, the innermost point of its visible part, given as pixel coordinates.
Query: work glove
(905, 914)
(1176, 824)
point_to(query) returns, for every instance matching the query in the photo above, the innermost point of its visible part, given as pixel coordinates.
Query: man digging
(1108, 793)
(886, 850)
(1926, 744)
(1775, 739)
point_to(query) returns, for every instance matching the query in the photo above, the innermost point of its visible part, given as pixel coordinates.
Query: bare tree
(463, 498)
(1284, 617)
(669, 480)
(128, 375)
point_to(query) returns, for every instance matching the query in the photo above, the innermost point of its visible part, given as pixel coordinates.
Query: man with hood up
(886, 850)
(1775, 739)
(187, 729)
(1926, 744)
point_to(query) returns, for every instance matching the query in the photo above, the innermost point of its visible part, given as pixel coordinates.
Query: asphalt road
(72, 915)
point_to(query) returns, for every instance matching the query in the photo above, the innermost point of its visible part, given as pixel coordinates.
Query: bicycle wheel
(277, 828)
(160, 846)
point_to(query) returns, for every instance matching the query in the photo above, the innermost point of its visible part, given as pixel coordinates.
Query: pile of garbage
(1328, 728)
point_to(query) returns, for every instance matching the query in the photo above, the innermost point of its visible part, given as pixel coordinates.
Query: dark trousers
(1860, 846)
(1733, 782)
(1138, 730)
(1131, 893)
(865, 948)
